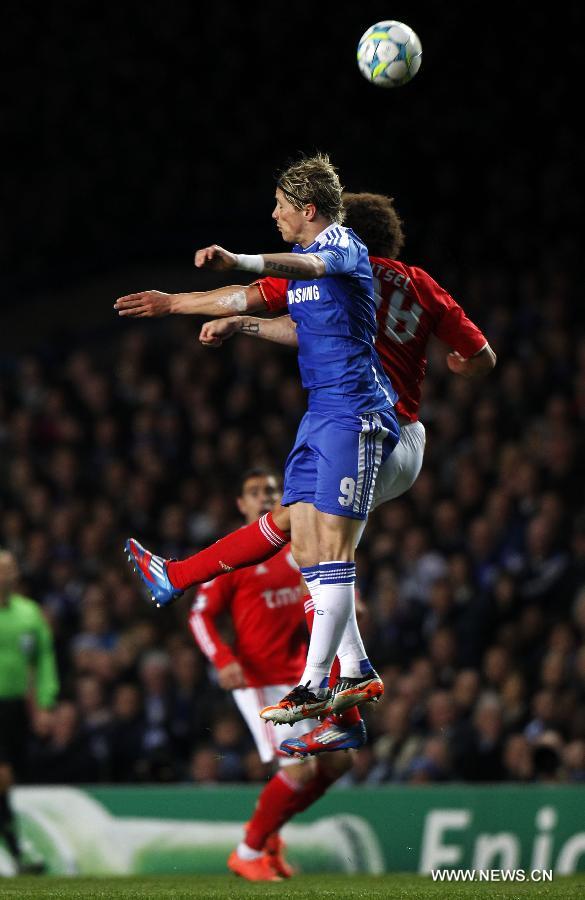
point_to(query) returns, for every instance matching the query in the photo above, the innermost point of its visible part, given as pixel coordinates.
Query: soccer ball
(389, 54)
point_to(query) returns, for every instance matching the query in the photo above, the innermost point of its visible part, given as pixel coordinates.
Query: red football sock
(348, 717)
(280, 800)
(248, 545)
(272, 809)
(309, 793)
(352, 715)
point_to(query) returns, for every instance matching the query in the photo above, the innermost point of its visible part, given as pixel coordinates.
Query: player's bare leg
(306, 700)
(324, 547)
(336, 536)
(358, 681)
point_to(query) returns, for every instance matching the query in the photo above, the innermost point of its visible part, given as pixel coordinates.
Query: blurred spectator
(62, 754)
(574, 760)
(465, 692)
(433, 764)
(517, 759)
(95, 716)
(480, 755)
(126, 735)
(204, 768)
(547, 758)
(158, 760)
(231, 743)
(395, 749)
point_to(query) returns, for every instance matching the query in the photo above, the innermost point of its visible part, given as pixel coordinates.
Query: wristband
(250, 262)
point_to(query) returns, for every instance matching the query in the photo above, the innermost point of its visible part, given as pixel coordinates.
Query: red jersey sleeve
(454, 328)
(273, 291)
(212, 599)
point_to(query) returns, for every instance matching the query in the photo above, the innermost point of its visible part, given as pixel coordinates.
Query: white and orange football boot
(300, 703)
(366, 688)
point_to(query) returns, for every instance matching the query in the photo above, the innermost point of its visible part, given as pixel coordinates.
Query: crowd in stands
(474, 581)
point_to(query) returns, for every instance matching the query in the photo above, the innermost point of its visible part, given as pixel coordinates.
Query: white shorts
(267, 736)
(402, 467)
(398, 474)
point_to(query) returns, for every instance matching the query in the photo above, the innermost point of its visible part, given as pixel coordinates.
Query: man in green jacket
(27, 672)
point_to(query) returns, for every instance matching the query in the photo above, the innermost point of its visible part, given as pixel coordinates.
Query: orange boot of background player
(259, 869)
(274, 848)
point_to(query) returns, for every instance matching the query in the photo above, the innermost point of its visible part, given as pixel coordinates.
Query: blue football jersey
(336, 325)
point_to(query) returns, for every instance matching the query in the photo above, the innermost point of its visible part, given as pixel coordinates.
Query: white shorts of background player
(267, 736)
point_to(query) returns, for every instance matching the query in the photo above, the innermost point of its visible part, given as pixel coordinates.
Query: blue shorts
(335, 460)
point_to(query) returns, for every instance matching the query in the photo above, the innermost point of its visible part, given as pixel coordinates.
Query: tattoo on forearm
(250, 328)
(236, 301)
(284, 268)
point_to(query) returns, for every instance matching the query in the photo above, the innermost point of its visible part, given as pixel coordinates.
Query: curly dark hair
(375, 220)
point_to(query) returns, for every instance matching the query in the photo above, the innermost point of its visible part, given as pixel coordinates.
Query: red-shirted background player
(264, 603)
(411, 308)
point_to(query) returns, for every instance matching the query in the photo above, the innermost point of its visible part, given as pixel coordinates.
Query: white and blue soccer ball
(389, 54)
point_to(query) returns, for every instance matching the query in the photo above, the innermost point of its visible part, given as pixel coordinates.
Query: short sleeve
(450, 324)
(273, 292)
(340, 258)
(458, 331)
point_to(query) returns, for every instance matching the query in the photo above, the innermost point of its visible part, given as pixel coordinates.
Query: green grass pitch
(303, 887)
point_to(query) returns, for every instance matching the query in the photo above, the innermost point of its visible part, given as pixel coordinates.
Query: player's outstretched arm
(475, 366)
(301, 266)
(224, 301)
(281, 330)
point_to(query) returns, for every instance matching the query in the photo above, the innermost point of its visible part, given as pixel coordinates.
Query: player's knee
(281, 517)
(6, 777)
(302, 772)
(336, 547)
(303, 554)
(334, 765)
(337, 537)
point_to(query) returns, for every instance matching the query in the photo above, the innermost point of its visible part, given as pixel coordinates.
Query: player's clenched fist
(144, 304)
(214, 333)
(215, 257)
(474, 366)
(231, 677)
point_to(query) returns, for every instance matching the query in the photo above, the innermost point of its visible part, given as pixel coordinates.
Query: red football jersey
(264, 603)
(411, 307)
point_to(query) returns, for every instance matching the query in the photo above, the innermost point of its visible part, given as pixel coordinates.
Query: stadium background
(135, 133)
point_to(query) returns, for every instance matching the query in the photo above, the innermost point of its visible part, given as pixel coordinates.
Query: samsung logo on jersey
(299, 295)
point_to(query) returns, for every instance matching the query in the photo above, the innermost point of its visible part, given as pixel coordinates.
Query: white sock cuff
(336, 572)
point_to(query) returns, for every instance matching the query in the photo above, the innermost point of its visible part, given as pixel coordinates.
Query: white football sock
(245, 852)
(333, 606)
(352, 654)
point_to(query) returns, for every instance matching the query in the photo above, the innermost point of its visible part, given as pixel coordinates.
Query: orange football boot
(259, 869)
(300, 703)
(275, 848)
(353, 691)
